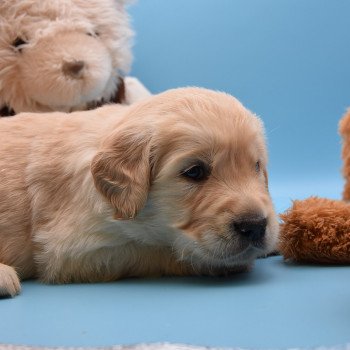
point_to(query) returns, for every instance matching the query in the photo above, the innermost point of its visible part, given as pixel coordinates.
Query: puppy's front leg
(9, 281)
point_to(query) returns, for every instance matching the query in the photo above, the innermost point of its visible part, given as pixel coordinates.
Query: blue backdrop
(287, 60)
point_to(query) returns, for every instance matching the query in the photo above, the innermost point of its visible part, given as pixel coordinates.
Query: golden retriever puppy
(173, 185)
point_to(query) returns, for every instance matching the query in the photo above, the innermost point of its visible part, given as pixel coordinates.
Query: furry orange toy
(317, 230)
(64, 55)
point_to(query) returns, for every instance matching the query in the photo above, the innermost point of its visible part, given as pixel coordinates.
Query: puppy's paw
(9, 281)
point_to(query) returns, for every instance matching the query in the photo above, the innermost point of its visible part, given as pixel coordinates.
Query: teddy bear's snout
(73, 69)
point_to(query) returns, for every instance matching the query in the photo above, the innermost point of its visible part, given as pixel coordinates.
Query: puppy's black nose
(251, 227)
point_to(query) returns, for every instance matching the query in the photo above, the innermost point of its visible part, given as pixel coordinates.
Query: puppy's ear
(121, 171)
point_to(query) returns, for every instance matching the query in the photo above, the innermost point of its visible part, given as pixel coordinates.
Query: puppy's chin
(216, 265)
(218, 259)
(244, 256)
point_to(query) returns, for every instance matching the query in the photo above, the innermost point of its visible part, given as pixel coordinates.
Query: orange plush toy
(317, 230)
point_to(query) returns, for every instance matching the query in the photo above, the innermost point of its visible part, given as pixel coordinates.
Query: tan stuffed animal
(317, 230)
(64, 55)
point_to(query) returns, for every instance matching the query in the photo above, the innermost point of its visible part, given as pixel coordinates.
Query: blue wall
(287, 60)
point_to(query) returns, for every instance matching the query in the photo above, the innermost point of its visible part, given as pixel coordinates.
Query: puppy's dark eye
(257, 167)
(18, 42)
(197, 172)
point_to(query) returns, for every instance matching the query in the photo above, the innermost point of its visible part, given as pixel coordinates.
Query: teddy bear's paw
(316, 230)
(134, 90)
(9, 281)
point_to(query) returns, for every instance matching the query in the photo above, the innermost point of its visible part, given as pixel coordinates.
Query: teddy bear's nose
(74, 68)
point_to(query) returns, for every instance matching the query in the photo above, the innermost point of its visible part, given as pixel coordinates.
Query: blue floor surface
(275, 306)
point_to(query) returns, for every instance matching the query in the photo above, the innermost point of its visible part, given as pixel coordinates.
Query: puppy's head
(193, 163)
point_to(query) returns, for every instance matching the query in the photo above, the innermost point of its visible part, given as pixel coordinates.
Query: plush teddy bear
(317, 230)
(64, 55)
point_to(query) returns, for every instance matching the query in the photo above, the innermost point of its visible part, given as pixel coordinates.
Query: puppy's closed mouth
(224, 264)
(248, 253)
(228, 256)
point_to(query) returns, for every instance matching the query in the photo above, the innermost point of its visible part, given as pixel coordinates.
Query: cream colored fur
(54, 35)
(101, 195)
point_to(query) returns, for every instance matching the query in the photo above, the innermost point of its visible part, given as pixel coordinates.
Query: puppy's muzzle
(252, 228)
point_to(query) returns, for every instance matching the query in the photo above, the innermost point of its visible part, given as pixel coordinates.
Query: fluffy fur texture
(104, 194)
(344, 129)
(63, 55)
(318, 230)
